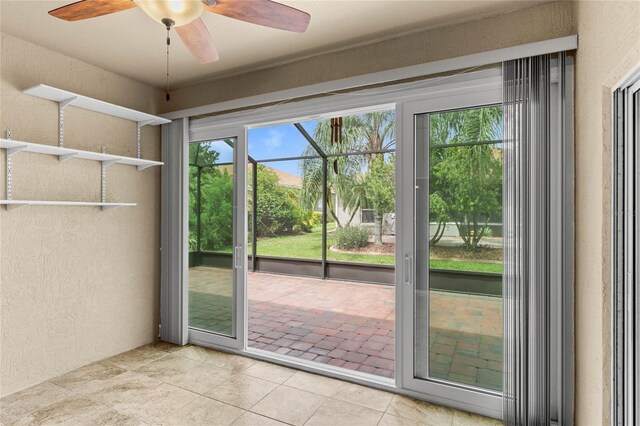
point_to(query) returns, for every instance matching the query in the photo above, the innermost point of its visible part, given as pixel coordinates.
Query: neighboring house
(287, 179)
(364, 217)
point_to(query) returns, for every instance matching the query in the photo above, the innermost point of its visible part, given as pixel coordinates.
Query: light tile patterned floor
(352, 325)
(162, 384)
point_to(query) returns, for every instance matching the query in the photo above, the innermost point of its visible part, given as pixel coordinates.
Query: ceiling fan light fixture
(181, 12)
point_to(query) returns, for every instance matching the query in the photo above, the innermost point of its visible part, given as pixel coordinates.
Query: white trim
(364, 101)
(413, 71)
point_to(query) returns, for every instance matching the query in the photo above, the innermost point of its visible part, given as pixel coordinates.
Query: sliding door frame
(440, 92)
(239, 338)
(455, 395)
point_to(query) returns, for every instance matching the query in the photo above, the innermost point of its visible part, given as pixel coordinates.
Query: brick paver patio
(352, 325)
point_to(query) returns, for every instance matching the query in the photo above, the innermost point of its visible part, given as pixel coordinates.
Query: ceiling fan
(184, 15)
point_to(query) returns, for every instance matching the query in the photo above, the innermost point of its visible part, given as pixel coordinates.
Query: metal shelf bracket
(66, 157)
(139, 126)
(61, 106)
(17, 149)
(9, 183)
(103, 176)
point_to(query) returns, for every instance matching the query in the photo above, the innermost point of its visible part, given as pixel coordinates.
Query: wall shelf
(64, 99)
(80, 101)
(14, 146)
(14, 204)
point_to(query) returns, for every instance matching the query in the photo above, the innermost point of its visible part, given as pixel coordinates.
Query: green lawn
(309, 246)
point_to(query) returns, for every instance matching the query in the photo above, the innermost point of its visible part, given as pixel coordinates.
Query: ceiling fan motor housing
(181, 12)
(168, 22)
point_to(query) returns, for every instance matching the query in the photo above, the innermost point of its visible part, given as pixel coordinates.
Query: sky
(279, 142)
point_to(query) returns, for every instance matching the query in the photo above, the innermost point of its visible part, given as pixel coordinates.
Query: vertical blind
(626, 255)
(533, 136)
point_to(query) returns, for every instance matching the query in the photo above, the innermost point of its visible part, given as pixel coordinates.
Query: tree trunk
(378, 230)
(442, 225)
(332, 212)
(355, 210)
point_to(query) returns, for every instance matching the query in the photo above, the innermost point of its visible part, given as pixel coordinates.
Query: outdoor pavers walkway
(352, 325)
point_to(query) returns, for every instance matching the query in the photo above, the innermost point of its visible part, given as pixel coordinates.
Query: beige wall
(77, 284)
(609, 47)
(523, 26)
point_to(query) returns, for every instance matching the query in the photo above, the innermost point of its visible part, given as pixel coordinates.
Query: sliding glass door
(217, 223)
(451, 284)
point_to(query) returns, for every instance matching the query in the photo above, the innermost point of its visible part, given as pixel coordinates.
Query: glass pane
(288, 225)
(459, 247)
(282, 141)
(211, 242)
(250, 208)
(361, 209)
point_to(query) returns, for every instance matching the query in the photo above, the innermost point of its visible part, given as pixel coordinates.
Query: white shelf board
(80, 101)
(14, 204)
(67, 153)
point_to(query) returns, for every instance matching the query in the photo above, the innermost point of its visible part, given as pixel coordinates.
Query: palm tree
(346, 175)
(349, 167)
(465, 180)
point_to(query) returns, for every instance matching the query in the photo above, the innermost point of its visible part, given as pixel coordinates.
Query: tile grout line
(90, 399)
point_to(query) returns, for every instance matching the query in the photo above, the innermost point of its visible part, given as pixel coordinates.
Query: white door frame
(463, 397)
(210, 339)
(475, 88)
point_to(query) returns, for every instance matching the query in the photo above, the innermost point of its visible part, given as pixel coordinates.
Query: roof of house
(286, 178)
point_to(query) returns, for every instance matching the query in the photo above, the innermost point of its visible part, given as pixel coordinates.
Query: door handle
(238, 257)
(408, 271)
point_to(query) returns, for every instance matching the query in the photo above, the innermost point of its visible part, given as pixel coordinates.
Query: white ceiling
(131, 44)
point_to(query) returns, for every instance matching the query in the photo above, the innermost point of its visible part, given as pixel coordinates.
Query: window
(366, 216)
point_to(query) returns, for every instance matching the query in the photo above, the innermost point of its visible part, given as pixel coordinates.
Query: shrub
(309, 221)
(278, 210)
(352, 237)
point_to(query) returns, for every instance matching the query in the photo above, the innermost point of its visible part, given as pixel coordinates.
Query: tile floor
(352, 325)
(162, 384)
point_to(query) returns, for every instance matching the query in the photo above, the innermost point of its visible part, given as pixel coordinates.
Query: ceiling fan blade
(263, 12)
(198, 40)
(86, 9)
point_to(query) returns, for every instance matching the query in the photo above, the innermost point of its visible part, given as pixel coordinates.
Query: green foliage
(279, 211)
(346, 175)
(438, 214)
(466, 181)
(215, 210)
(380, 191)
(351, 237)
(310, 220)
(309, 246)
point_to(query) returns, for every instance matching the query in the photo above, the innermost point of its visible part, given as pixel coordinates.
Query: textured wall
(77, 284)
(523, 26)
(609, 46)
